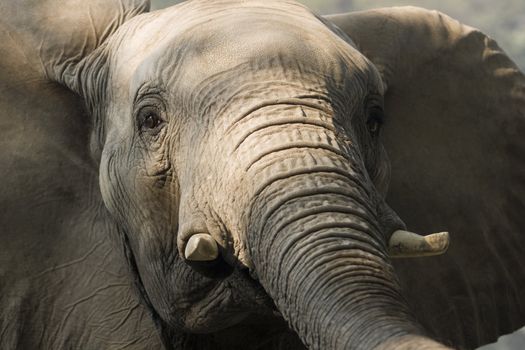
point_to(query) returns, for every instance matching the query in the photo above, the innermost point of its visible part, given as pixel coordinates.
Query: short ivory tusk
(404, 244)
(201, 247)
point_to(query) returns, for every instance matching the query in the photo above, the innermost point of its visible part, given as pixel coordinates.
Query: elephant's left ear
(55, 35)
(455, 123)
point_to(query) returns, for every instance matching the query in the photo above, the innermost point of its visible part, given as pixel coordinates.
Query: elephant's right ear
(54, 36)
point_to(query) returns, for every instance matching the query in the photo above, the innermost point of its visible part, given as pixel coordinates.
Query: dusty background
(503, 20)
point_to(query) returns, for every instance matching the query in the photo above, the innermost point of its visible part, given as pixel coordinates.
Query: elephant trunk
(324, 265)
(316, 246)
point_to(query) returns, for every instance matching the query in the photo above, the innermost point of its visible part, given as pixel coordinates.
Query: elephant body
(124, 133)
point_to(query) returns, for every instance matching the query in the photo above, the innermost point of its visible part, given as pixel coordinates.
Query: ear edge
(55, 36)
(398, 29)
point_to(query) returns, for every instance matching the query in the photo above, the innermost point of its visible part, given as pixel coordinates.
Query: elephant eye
(151, 121)
(375, 120)
(373, 127)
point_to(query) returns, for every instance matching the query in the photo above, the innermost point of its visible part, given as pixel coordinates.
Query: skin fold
(259, 123)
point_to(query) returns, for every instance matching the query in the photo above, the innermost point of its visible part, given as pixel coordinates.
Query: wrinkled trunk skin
(317, 246)
(327, 274)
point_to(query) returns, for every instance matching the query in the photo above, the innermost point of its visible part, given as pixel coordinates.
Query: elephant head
(239, 152)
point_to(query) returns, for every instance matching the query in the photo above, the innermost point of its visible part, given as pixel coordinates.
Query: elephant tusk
(201, 247)
(404, 244)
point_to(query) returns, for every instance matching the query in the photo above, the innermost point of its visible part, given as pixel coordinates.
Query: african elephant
(215, 175)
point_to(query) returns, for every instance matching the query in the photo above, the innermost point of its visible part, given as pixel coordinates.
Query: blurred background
(503, 20)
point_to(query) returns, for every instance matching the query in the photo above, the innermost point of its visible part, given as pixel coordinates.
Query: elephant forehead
(190, 44)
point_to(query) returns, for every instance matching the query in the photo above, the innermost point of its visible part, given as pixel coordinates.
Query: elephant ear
(55, 35)
(62, 282)
(455, 136)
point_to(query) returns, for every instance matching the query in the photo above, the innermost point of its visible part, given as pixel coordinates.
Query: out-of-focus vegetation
(503, 20)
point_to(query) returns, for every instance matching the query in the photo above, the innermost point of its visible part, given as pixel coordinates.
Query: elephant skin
(215, 175)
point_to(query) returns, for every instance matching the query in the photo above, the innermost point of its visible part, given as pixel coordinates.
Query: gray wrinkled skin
(257, 122)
